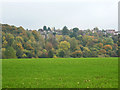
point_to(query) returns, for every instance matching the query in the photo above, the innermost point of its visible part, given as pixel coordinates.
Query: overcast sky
(84, 14)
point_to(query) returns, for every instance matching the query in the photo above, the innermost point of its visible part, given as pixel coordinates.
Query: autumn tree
(4, 42)
(77, 54)
(10, 39)
(73, 44)
(48, 46)
(102, 51)
(64, 47)
(108, 47)
(108, 41)
(86, 52)
(59, 43)
(100, 45)
(19, 50)
(35, 33)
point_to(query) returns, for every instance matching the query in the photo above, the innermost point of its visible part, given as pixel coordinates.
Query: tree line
(74, 43)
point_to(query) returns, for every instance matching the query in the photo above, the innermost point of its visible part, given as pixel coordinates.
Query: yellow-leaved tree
(63, 50)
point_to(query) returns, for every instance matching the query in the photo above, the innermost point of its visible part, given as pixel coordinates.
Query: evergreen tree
(49, 29)
(45, 28)
(65, 31)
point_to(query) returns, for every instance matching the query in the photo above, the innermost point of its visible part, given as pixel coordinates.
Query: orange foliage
(102, 51)
(100, 45)
(19, 45)
(115, 45)
(108, 47)
(48, 46)
(77, 53)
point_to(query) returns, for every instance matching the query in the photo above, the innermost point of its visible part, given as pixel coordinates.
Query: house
(110, 31)
(116, 33)
(58, 32)
(41, 31)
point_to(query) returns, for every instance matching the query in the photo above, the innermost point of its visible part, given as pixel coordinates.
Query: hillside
(52, 43)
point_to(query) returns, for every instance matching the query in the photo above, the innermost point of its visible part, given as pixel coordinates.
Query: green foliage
(75, 30)
(96, 29)
(73, 44)
(35, 35)
(86, 52)
(10, 52)
(65, 31)
(50, 54)
(10, 39)
(49, 29)
(108, 41)
(44, 53)
(45, 28)
(61, 53)
(74, 33)
(62, 43)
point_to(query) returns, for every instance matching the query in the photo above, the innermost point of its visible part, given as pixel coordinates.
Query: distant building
(116, 33)
(58, 32)
(110, 31)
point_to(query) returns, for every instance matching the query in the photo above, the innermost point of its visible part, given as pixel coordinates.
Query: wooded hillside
(48, 43)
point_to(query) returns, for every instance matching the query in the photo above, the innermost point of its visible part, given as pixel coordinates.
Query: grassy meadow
(60, 73)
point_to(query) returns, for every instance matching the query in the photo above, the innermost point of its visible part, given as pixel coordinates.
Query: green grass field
(60, 73)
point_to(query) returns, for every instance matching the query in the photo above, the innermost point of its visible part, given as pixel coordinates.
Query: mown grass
(60, 73)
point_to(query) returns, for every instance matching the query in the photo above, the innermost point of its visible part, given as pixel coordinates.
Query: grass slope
(60, 73)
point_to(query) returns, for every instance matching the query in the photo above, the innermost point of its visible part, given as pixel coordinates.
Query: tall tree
(65, 31)
(64, 48)
(49, 29)
(75, 30)
(45, 28)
